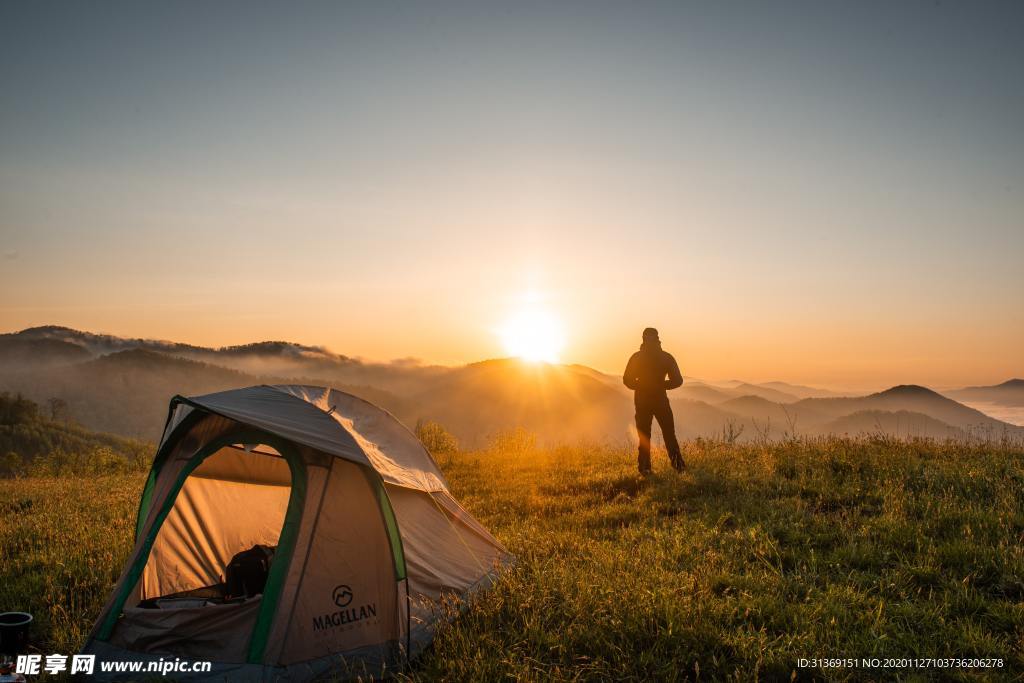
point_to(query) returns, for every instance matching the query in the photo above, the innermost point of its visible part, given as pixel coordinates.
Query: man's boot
(643, 462)
(678, 464)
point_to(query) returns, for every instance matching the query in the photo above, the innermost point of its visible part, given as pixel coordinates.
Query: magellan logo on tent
(342, 597)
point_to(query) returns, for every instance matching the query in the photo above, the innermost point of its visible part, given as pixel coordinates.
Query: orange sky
(786, 192)
(714, 337)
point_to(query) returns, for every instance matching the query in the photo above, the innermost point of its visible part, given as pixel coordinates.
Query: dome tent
(368, 540)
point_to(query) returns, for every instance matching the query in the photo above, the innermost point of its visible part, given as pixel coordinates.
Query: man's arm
(629, 376)
(675, 378)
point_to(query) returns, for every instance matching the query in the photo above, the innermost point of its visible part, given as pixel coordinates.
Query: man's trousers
(647, 410)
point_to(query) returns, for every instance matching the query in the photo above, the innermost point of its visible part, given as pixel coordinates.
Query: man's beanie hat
(650, 333)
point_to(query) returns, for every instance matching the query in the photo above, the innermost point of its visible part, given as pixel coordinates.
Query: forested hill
(33, 442)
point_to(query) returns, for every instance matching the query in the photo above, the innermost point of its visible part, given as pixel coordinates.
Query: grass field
(757, 556)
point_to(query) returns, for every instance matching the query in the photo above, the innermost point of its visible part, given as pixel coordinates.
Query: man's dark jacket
(650, 373)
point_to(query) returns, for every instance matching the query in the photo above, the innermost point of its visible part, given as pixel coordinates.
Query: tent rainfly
(368, 546)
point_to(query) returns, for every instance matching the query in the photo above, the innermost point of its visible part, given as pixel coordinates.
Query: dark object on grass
(14, 632)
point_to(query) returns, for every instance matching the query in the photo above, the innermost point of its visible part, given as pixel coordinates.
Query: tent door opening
(234, 513)
(219, 539)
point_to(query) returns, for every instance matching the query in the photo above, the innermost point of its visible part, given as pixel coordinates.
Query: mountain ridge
(1007, 394)
(126, 391)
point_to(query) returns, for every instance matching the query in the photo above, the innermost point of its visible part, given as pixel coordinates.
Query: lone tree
(435, 438)
(58, 408)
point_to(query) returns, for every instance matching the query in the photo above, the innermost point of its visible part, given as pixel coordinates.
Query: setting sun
(533, 335)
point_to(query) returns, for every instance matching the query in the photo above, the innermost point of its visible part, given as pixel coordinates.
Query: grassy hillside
(753, 558)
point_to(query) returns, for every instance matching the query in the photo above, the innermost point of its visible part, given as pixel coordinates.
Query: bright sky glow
(534, 335)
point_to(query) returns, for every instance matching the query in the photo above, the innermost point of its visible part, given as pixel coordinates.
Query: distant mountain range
(1010, 393)
(122, 386)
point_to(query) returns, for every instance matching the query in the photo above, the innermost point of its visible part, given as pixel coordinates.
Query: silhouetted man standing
(650, 373)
